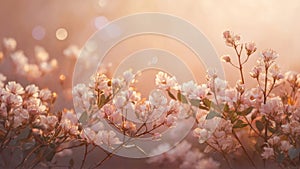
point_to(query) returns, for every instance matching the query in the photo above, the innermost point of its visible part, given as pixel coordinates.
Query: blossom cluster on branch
(111, 112)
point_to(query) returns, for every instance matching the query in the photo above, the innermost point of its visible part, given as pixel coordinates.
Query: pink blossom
(170, 120)
(250, 47)
(21, 116)
(107, 137)
(164, 81)
(268, 152)
(231, 39)
(14, 88)
(255, 72)
(32, 90)
(128, 76)
(269, 55)
(285, 145)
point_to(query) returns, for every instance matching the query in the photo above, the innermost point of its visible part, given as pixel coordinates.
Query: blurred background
(57, 24)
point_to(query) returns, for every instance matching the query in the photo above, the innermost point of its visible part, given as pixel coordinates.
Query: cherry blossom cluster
(117, 102)
(23, 67)
(29, 123)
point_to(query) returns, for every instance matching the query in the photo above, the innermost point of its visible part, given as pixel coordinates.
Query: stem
(28, 155)
(240, 62)
(221, 152)
(227, 160)
(244, 149)
(252, 127)
(111, 153)
(84, 156)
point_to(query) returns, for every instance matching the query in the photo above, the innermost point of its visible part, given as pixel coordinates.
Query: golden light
(1, 56)
(61, 34)
(62, 78)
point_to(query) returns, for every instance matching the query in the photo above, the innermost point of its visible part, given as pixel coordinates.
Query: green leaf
(259, 125)
(240, 124)
(212, 114)
(171, 95)
(246, 111)
(195, 102)
(83, 118)
(206, 102)
(226, 108)
(50, 155)
(181, 97)
(271, 129)
(102, 101)
(294, 153)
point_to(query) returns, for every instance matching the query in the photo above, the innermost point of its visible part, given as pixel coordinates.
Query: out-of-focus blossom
(72, 51)
(207, 163)
(41, 54)
(2, 80)
(274, 140)
(291, 76)
(10, 44)
(268, 153)
(285, 145)
(182, 155)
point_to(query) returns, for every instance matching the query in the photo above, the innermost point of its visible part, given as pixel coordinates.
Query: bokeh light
(61, 34)
(102, 3)
(100, 21)
(38, 32)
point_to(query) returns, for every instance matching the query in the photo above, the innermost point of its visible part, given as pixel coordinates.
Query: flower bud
(226, 58)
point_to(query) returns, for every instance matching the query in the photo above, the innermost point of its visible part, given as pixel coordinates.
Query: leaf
(50, 155)
(83, 118)
(195, 102)
(181, 98)
(226, 108)
(294, 153)
(171, 95)
(102, 101)
(271, 129)
(240, 124)
(259, 125)
(206, 102)
(212, 114)
(246, 111)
